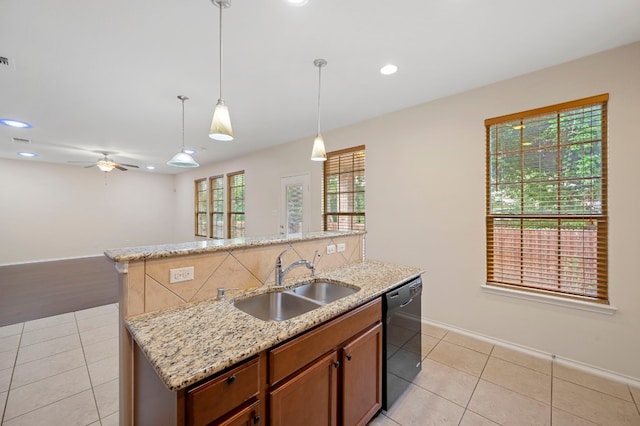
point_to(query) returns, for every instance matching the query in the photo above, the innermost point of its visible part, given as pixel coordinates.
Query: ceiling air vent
(21, 140)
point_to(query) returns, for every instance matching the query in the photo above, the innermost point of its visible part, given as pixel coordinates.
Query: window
(343, 190)
(235, 211)
(216, 207)
(546, 198)
(201, 208)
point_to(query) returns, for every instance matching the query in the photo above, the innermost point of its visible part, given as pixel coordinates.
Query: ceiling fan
(106, 164)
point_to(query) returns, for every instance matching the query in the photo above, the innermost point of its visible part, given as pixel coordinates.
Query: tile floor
(63, 370)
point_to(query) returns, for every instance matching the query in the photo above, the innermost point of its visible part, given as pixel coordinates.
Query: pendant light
(318, 153)
(182, 159)
(221, 124)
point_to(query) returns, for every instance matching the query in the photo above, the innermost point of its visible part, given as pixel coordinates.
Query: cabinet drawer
(218, 396)
(299, 352)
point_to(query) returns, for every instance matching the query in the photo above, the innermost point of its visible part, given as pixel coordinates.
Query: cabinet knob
(256, 420)
(348, 357)
(336, 364)
(231, 379)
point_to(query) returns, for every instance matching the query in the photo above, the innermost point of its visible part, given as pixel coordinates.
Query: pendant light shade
(221, 123)
(182, 159)
(318, 152)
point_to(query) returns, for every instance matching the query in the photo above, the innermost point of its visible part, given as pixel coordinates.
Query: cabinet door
(310, 398)
(248, 417)
(362, 377)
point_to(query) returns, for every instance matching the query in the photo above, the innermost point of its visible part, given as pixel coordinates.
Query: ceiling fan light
(221, 124)
(318, 153)
(106, 165)
(182, 159)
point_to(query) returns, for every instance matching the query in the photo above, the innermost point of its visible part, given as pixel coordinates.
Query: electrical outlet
(342, 247)
(179, 275)
(331, 249)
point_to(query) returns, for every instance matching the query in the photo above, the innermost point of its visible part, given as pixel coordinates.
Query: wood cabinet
(330, 375)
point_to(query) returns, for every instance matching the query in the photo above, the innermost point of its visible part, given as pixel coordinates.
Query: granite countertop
(130, 254)
(192, 342)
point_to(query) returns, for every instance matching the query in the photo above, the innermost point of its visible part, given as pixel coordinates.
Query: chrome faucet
(222, 291)
(280, 273)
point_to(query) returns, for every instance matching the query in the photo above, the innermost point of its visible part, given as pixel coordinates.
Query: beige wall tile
(135, 289)
(352, 252)
(523, 380)
(231, 274)
(156, 296)
(618, 389)
(260, 261)
(593, 405)
(506, 407)
(459, 357)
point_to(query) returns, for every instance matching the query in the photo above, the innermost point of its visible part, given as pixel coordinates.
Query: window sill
(551, 300)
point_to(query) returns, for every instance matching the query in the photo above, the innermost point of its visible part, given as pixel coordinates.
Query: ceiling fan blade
(88, 167)
(81, 162)
(128, 165)
(119, 167)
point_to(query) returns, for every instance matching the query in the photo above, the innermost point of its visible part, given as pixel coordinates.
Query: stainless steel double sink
(286, 304)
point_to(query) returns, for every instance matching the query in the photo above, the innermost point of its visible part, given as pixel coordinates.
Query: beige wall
(438, 147)
(51, 211)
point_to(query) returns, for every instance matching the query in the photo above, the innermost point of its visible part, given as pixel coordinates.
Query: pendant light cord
(319, 89)
(182, 99)
(220, 27)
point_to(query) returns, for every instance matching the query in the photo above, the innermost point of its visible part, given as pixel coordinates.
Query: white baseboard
(591, 369)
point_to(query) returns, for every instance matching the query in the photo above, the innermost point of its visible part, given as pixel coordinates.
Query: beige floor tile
(5, 379)
(78, 409)
(459, 357)
(107, 395)
(49, 321)
(97, 311)
(382, 420)
(49, 333)
(8, 358)
(562, 418)
(447, 382)
(99, 334)
(618, 389)
(110, 318)
(593, 405)
(523, 380)
(506, 407)
(540, 364)
(48, 348)
(101, 350)
(104, 370)
(9, 343)
(46, 367)
(11, 330)
(420, 407)
(3, 400)
(47, 391)
(472, 419)
(635, 393)
(112, 420)
(433, 331)
(468, 342)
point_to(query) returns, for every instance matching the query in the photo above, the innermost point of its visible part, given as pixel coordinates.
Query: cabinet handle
(348, 357)
(231, 379)
(336, 364)
(256, 420)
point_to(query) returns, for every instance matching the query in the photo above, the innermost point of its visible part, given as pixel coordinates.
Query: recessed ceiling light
(150, 167)
(15, 123)
(27, 154)
(189, 151)
(297, 2)
(388, 69)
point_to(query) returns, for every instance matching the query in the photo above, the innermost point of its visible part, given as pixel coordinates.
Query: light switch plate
(179, 275)
(331, 248)
(342, 247)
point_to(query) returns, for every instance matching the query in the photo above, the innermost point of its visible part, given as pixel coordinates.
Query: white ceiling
(104, 75)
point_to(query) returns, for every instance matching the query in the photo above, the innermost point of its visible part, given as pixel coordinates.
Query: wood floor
(36, 290)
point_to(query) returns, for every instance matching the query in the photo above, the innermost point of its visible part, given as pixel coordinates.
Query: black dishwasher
(402, 348)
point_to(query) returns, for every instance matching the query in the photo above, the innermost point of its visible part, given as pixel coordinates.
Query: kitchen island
(170, 350)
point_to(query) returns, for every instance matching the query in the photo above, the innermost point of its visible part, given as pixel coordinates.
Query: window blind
(236, 213)
(201, 208)
(546, 217)
(216, 207)
(343, 201)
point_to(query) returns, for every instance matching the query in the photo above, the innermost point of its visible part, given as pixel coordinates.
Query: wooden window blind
(201, 208)
(546, 211)
(235, 210)
(216, 207)
(343, 202)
